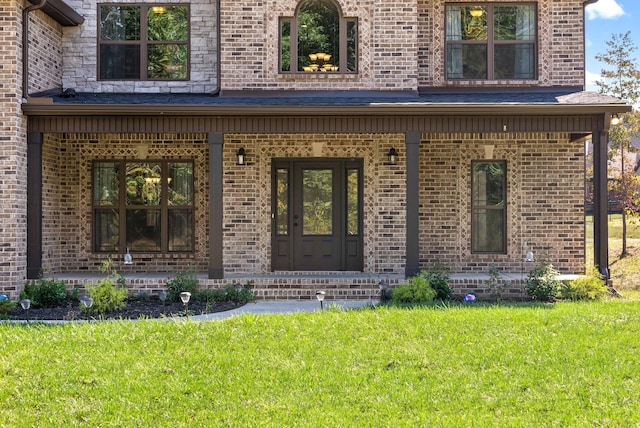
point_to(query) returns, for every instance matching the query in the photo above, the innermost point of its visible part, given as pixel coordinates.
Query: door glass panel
(317, 201)
(353, 196)
(282, 207)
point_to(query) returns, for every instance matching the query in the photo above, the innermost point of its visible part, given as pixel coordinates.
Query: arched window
(318, 39)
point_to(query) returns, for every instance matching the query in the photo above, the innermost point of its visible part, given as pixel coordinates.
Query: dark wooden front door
(317, 215)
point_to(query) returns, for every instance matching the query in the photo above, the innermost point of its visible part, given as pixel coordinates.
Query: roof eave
(52, 109)
(61, 12)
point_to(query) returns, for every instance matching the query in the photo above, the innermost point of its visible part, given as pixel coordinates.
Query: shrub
(495, 284)
(46, 293)
(542, 283)
(183, 281)
(231, 293)
(438, 280)
(6, 305)
(109, 294)
(591, 286)
(416, 290)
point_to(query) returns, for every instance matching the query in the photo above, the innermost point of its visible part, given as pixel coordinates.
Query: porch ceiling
(328, 112)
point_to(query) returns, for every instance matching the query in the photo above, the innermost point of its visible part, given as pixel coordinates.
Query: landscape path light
(26, 305)
(185, 296)
(320, 296)
(384, 286)
(163, 299)
(87, 302)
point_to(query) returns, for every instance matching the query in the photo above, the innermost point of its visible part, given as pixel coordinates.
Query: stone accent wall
(545, 201)
(80, 50)
(560, 45)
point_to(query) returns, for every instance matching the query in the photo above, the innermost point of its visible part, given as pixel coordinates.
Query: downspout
(25, 45)
(216, 91)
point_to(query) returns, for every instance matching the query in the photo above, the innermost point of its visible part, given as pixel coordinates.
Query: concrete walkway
(283, 307)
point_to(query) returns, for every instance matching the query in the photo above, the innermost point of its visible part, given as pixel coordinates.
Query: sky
(604, 18)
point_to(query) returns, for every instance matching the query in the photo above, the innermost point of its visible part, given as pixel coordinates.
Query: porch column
(412, 267)
(600, 197)
(216, 140)
(34, 204)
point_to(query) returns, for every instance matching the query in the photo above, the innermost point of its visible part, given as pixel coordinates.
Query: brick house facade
(411, 214)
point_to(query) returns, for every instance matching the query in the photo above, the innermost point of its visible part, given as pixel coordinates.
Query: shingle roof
(347, 99)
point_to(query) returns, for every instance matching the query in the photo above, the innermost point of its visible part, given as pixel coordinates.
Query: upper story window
(491, 41)
(318, 39)
(143, 42)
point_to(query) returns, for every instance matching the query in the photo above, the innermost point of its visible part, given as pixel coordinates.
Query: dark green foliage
(110, 293)
(438, 279)
(183, 281)
(416, 290)
(231, 293)
(591, 286)
(46, 293)
(6, 305)
(542, 284)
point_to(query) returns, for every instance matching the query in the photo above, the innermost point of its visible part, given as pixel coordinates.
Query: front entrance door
(317, 215)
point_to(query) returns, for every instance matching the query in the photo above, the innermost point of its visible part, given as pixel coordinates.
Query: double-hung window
(145, 206)
(143, 42)
(488, 207)
(495, 41)
(318, 39)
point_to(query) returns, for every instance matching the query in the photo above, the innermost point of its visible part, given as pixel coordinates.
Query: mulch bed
(135, 309)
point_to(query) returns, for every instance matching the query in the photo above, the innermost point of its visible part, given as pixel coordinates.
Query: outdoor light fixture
(241, 154)
(163, 299)
(383, 285)
(87, 302)
(320, 297)
(185, 296)
(392, 156)
(26, 304)
(615, 120)
(529, 257)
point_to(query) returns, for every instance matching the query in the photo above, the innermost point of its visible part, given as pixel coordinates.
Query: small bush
(542, 284)
(438, 280)
(231, 293)
(495, 284)
(46, 293)
(211, 295)
(416, 290)
(183, 281)
(6, 305)
(591, 286)
(109, 294)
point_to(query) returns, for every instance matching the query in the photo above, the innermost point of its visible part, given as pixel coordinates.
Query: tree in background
(621, 79)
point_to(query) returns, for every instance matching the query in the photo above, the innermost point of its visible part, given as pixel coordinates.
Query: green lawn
(625, 272)
(567, 364)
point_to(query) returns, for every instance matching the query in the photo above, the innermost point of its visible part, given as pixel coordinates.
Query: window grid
(523, 47)
(135, 51)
